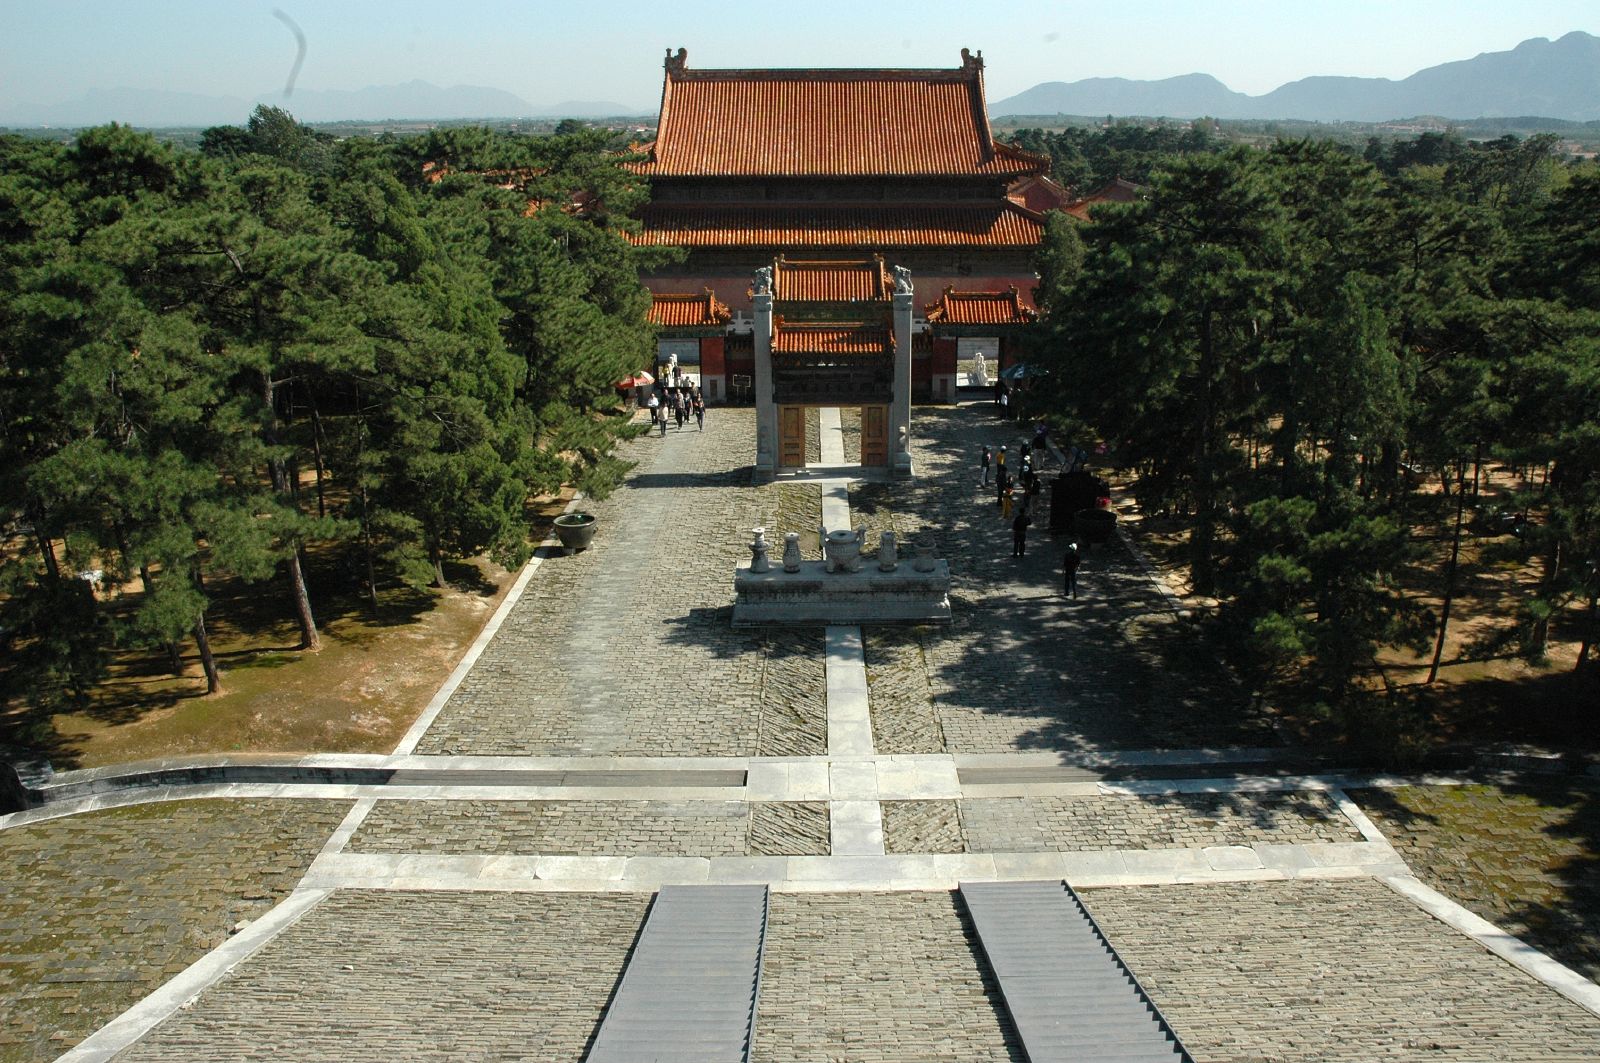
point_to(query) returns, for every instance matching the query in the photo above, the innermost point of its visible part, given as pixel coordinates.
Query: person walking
(1007, 500)
(1002, 480)
(987, 458)
(663, 422)
(700, 412)
(655, 409)
(1019, 532)
(1070, 564)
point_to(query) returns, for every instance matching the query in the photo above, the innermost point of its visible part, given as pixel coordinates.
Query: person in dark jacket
(1019, 532)
(1070, 564)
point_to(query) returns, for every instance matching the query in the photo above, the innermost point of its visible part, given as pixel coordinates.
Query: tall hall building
(837, 175)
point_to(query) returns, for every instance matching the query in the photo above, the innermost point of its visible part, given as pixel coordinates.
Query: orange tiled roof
(820, 338)
(1118, 191)
(687, 309)
(998, 223)
(980, 308)
(1038, 193)
(833, 123)
(831, 281)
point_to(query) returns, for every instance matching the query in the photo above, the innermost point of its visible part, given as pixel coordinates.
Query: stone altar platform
(813, 595)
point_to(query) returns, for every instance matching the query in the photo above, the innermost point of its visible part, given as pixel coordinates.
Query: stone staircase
(1070, 996)
(690, 989)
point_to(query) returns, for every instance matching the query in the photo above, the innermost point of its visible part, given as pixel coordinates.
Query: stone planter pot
(1094, 526)
(576, 530)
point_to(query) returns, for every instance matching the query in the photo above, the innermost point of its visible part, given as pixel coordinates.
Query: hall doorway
(856, 435)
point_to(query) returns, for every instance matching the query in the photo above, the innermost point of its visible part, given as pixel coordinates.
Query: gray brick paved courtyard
(866, 976)
(417, 976)
(1336, 972)
(627, 650)
(97, 910)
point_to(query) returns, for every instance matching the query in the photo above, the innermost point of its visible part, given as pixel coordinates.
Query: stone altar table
(892, 590)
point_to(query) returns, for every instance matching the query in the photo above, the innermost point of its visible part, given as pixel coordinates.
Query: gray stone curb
(892, 777)
(850, 873)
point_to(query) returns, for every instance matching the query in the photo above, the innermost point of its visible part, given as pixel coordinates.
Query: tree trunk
(1539, 643)
(1449, 577)
(316, 456)
(366, 506)
(47, 548)
(1202, 540)
(438, 564)
(1589, 629)
(207, 660)
(309, 639)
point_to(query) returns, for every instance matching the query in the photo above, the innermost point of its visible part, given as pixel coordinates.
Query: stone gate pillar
(766, 409)
(900, 402)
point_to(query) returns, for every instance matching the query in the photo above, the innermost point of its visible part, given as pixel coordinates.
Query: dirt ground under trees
(357, 694)
(1487, 688)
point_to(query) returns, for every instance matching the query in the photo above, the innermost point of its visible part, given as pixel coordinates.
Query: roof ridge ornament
(677, 64)
(971, 62)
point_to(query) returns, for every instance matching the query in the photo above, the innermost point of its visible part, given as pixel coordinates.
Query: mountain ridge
(1550, 79)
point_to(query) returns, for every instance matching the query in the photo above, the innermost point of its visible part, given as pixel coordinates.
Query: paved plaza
(479, 894)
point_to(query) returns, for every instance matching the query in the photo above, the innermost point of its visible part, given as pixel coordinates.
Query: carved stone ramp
(689, 992)
(1070, 996)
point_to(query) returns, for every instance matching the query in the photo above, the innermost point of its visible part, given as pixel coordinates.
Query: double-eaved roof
(828, 123)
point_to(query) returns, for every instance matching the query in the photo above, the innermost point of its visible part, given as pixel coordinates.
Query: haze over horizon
(610, 50)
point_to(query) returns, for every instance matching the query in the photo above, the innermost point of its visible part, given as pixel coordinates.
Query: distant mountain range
(413, 100)
(1539, 77)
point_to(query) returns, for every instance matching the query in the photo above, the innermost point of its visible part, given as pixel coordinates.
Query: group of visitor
(675, 405)
(1016, 493)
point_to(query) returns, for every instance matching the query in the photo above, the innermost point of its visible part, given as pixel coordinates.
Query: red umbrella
(638, 380)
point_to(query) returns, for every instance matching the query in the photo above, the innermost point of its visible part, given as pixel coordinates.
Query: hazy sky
(54, 50)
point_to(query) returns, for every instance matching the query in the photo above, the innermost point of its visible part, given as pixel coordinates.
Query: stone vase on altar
(758, 552)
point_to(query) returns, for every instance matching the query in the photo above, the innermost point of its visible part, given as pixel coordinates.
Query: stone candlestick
(758, 552)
